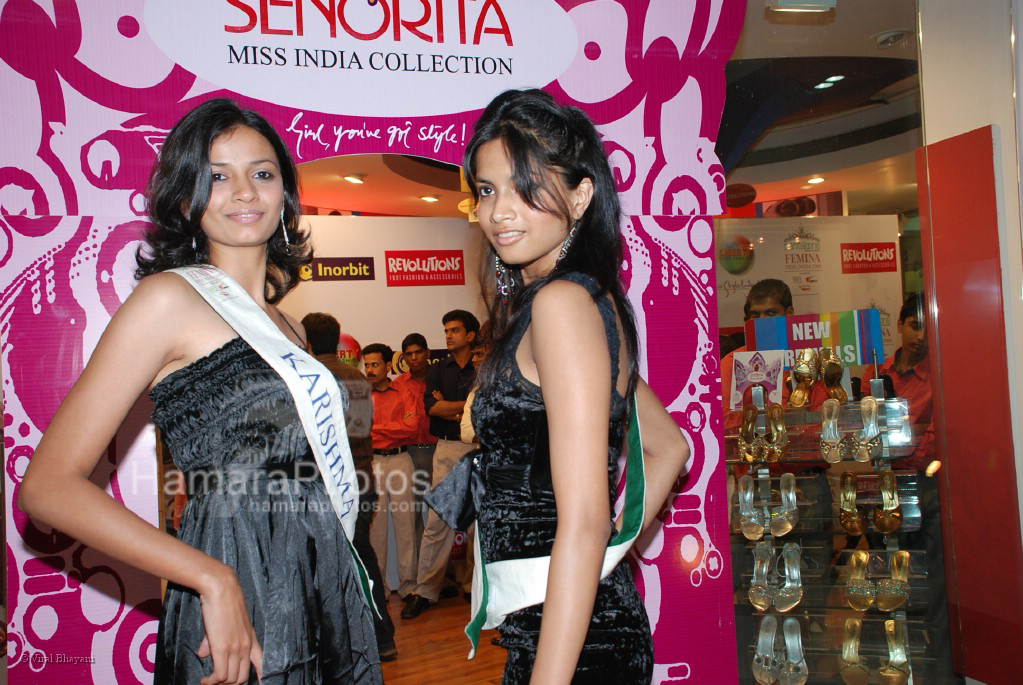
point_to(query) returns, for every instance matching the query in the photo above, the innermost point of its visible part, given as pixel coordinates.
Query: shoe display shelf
(889, 645)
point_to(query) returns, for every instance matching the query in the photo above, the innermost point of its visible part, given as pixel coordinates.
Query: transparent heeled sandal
(751, 519)
(868, 439)
(888, 517)
(793, 670)
(860, 593)
(895, 671)
(761, 592)
(894, 591)
(850, 515)
(783, 520)
(854, 670)
(765, 664)
(831, 437)
(788, 596)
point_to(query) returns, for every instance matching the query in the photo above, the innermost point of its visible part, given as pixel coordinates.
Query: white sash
(317, 394)
(501, 587)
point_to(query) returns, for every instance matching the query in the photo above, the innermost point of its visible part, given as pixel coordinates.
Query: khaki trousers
(435, 549)
(396, 505)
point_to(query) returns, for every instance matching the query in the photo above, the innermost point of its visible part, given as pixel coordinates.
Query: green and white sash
(501, 587)
(317, 394)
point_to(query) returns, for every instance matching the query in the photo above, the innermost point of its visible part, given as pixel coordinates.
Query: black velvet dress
(517, 518)
(231, 411)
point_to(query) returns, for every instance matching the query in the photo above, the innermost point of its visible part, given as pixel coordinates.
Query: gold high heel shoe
(850, 516)
(831, 374)
(888, 517)
(896, 670)
(779, 439)
(805, 370)
(750, 444)
(831, 438)
(893, 592)
(859, 591)
(853, 671)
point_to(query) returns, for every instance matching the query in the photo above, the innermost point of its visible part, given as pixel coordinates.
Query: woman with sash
(263, 583)
(556, 397)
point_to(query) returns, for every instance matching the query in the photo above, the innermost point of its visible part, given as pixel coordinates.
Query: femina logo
(376, 58)
(469, 22)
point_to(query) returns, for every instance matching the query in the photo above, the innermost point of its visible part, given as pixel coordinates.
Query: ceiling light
(801, 5)
(890, 39)
(815, 179)
(823, 85)
(355, 178)
(429, 198)
(834, 79)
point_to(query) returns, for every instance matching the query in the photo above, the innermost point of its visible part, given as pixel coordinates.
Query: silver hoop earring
(568, 241)
(194, 248)
(284, 229)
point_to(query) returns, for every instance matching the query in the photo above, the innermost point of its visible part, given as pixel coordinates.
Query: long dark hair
(179, 192)
(542, 139)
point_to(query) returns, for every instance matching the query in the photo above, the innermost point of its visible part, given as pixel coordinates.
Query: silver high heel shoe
(765, 665)
(793, 670)
(791, 592)
(751, 519)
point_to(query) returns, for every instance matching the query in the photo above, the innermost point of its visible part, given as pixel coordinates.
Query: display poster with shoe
(761, 368)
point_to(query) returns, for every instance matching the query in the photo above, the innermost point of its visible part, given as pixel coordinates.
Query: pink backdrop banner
(92, 88)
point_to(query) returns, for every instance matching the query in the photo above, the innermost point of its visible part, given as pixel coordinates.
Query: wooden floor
(432, 648)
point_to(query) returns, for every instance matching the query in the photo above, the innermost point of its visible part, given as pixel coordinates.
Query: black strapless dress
(517, 518)
(231, 411)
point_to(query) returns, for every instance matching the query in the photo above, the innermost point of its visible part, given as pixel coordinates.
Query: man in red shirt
(417, 355)
(910, 371)
(395, 425)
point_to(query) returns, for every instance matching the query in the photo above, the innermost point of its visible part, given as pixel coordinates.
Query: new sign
(855, 335)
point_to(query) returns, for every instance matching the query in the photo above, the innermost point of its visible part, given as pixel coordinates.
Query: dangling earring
(505, 284)
(284, 229)
(194, 248)
(568, 241)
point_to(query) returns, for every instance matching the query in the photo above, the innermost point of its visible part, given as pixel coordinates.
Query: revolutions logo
(861, 258)
(425, 267)
(367, 57)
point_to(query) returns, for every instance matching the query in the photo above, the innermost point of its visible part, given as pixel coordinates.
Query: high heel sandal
(850, 516)
(893, 592)
(779, 439)
(791, 593)
(805, 370)
(785, 519)
(831, 438)
(888, 517)
(765, 664)
(853, 671)
(896, 670)
(868, 439)
(760, 593)
(750, 444)
(793, 671)
(859, 591)
(751, 519)
(831, 374)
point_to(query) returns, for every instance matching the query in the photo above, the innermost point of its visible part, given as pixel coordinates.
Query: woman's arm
(665, 450)
(143, 337)
(569, 348)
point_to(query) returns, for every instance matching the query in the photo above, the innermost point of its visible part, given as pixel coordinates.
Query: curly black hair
(181, 179)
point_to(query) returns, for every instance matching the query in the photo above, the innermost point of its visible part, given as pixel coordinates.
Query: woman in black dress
(557, 390)
(262, 582)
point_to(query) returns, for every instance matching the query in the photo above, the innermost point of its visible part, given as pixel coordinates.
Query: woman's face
(522, 235)
(246, 194)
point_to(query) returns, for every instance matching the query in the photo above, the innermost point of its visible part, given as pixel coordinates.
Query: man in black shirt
(447, 386)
